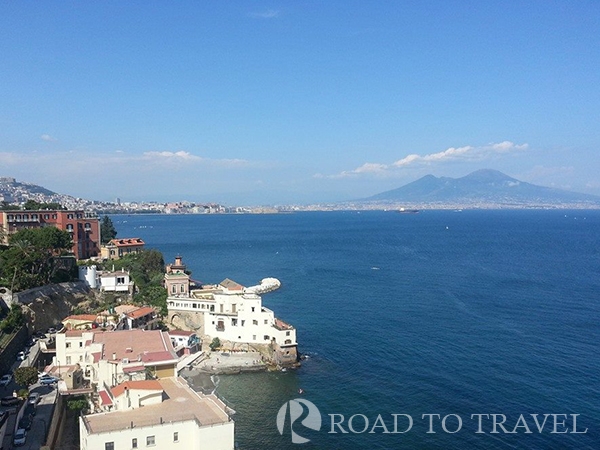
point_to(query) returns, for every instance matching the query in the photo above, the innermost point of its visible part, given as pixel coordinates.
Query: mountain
(485, 186)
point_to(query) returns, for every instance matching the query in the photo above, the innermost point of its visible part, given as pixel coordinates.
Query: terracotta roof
(135, 343)
(145, 385)
(75, 333)
(104, 398)
(231, 285)
(84, 317)
(129, 242)
(141, 312)
(131, 369)
(180, 333)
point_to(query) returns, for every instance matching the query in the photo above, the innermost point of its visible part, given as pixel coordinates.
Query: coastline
(201, 374)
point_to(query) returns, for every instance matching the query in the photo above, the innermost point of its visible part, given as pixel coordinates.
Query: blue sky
(252, 102)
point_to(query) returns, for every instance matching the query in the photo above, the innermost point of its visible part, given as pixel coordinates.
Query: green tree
(107, 230)
(77, 403)
(13, 320)
(33, 205)
(31, 259)
(215, 344)
(26, 376)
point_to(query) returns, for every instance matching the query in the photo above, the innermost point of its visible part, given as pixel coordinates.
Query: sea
(474, 329)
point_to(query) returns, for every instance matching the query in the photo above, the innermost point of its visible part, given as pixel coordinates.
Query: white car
(5, 379)
(20, 437)
(21, 356)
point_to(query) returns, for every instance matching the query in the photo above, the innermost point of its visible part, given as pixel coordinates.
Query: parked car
(34, 398)
(20, 437)
(51, 330)
(10, 401)
(21, 356)
(48, 380)
(25, 422)
(6, 379)
(29, 410)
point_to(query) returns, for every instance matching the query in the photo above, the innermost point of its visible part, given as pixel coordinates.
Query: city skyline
(281, 102)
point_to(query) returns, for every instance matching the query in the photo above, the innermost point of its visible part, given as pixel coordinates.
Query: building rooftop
(130, 242)
(140, 312)
(142, 385)
(231, 285)
(181, 404)
(148, 345)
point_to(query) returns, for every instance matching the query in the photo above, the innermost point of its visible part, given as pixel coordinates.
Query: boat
(408, 211)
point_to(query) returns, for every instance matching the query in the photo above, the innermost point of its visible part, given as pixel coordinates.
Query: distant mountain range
(483, 187)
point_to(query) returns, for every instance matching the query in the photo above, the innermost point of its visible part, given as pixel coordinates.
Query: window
(150, 441)
(46, 216)
(266, 321)
(176, 437)
(182, 288)
(68, 360)
(253, 337)
(287, 333)
(255, 322)
(253, 309)
(70, 216)
(174, 289)
(68, 345)
(134, 443)
(80, 344)
(109, 446)
(266, 337)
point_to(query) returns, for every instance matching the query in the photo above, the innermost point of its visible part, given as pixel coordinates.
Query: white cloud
(466, 153)
(268, 14)
(173, 156)
(48, 138)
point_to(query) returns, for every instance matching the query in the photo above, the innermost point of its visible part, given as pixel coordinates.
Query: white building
(109, 281)
(232, 313)
(162, 414)
(138, 400)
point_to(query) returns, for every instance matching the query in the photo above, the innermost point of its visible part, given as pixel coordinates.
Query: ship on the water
(408, 211)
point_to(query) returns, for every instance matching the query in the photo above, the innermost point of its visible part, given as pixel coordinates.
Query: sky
(280, 102)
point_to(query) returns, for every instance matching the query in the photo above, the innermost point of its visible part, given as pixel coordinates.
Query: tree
(216, 343)
(26, 376)
(77, 403)
(33, 205)
(13, 320)
(30, 260)
(107, 230)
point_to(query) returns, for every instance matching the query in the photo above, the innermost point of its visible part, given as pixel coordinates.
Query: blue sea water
(449, 313)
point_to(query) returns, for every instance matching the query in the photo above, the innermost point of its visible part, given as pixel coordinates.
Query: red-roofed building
(117, 248)
(112, 357)
(83, 227)
(80, 322)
